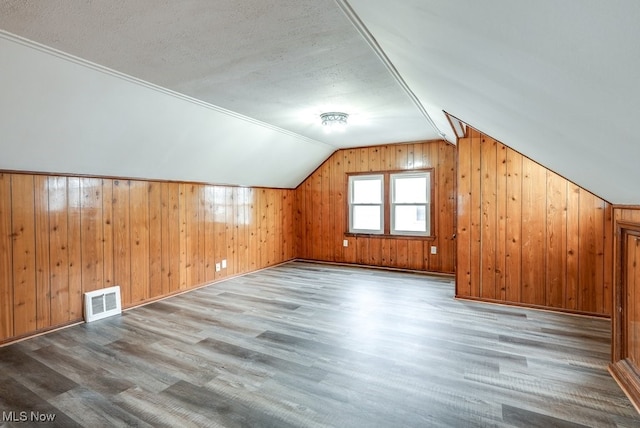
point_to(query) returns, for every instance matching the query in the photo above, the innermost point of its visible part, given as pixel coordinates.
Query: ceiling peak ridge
(377, 49)
(123, 76)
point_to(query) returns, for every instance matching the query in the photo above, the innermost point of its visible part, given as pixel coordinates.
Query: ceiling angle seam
(347, 9)
(157, 88)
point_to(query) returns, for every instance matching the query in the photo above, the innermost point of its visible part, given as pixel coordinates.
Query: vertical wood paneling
(107, 232)
(463, 235)
(349, 253)
(139, 225)
(191, 234)
(321, 205)
(271, 213)
(231, 232)
(24, 253)
(165, 240)
(154, 190)
(573, 241)
(402, 253)
(210, 235)
(200, 262)
(599, 219)
(488, 243)
(476, 212)
(288, 231)
(362, 250)
(401, 157)
(318, 215)
(62, 236)
(445, 215)
(375, 251)
(299, 221)
(253, 222)
(556, 272)
(546, 234)
(183, 214)
(243, 230)
(92, 238)
(263, 209)
(219, 227)
(373, 157)
(175, 237)
(43, 274)
(416, 255)
(122, 238)
(587, 253)
(328, 213)
(501, 219)
(58, 249)
(609, 263)
(513, 262)
(533, 232)
(6, 263)
(74, 236)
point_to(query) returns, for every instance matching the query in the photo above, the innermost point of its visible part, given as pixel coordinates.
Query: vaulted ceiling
(230, 91)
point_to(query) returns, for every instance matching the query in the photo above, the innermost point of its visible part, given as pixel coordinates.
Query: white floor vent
(102, 303)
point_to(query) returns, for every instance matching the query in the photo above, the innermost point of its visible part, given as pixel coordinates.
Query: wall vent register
(102, 303)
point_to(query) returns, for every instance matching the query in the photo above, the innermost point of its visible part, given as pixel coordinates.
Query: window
(390, 203)
(410, 204)
(366, 211)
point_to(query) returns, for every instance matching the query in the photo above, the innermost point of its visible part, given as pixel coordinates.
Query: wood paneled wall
(62, 236)
(528, 236)
(321, 209)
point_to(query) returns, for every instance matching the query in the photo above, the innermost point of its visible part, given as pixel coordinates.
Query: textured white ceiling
(282, 62)
(555, 80)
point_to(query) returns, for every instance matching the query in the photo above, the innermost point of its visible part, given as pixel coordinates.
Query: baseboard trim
(628, 378)
(387, 268)
(535, 307)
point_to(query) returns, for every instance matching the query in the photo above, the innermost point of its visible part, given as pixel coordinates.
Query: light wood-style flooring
(311, 345)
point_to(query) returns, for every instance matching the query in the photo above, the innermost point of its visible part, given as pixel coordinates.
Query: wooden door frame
(618, 342)
(625, 373)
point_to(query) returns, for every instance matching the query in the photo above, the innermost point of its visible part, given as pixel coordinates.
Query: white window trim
(392, 205)
(352, 179)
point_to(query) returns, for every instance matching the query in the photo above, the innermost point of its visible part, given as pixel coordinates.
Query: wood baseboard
(536, 307)
(626, 374)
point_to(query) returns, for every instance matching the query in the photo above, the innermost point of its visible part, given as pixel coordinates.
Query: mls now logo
(32, 416)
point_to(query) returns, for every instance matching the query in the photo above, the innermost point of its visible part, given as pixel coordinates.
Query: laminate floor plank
(313, 345)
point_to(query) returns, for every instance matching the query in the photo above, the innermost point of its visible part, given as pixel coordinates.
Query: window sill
(382, 236)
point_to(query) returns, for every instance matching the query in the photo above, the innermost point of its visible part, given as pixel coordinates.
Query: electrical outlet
(434, 249)
(224, 263)
(217, 267)
(345, 243)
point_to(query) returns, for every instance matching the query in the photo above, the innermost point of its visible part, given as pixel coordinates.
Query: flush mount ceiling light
(334, 120)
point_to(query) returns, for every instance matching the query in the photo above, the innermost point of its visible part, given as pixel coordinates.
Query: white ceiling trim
(373, 43)
(97, 67)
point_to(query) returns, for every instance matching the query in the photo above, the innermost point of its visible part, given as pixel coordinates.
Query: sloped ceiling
(555, 80)
(230, 91)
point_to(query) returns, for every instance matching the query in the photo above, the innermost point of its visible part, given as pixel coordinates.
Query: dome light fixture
(334, 120)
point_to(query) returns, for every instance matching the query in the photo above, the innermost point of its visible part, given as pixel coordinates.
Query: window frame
(350, 181)
(386, 202)
(393, 205)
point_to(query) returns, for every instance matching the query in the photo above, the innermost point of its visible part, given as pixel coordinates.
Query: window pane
(410, 218)
(410, 189)
(367, 218)
(367, 191)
